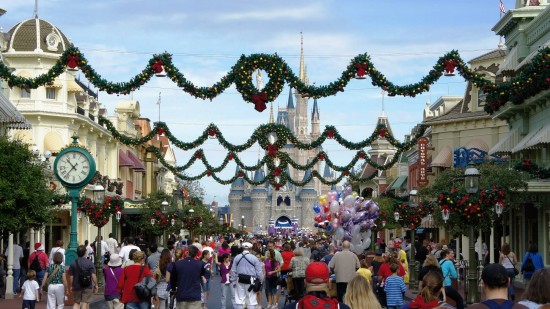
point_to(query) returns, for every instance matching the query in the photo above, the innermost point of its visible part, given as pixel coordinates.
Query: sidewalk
(519, 288)
(97, 303)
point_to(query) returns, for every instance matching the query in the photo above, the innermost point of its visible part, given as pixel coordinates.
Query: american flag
(502, 9)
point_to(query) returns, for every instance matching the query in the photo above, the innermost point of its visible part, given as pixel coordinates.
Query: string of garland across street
(271, 137)
(529, 82)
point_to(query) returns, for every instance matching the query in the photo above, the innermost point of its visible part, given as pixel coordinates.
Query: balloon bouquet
(347, 216)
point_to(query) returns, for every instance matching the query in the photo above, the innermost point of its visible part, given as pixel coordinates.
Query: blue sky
(404, 39)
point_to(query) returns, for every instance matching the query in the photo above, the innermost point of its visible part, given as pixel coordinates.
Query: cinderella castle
(261, 208)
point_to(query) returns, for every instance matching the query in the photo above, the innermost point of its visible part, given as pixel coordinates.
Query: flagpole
(158, 103)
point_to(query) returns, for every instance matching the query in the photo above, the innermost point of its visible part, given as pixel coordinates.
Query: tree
(25, 196)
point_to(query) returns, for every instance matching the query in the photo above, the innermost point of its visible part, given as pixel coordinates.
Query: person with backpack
(449, 273)
(82, 279)
(495, 281)
(38, 261)
(132, 275)
(246, 275)
(316, 282)
(532, 261)
(508, 259)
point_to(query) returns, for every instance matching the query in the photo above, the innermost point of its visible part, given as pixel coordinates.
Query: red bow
(212, 132)
(209, 173)
(240, 174)
(330, 133)
(276, 171)
(230, 157)
(361, 69)
(271, 150)
(277, 186)
(361, 154)
(160, 131)
(382, 132)
(321, 156)
(449, 66)
(259, 101)
(72, 61)
(198, 155)
(157, 66)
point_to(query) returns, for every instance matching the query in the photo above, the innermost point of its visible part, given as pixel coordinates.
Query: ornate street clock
(74, 166)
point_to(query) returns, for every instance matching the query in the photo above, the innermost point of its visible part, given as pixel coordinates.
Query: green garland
(533, 79)
(277, 171)
(411, 217)
(99, 214)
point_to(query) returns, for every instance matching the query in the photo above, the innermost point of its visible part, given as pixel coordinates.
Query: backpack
(529, 266)
(146, 287)
(314, 302)
(84, 276)
(35, 264)
(507, 304)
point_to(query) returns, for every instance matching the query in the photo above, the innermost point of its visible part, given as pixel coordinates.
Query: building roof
(494, 54)
(32, 35)
(315, 111)
(290, 103)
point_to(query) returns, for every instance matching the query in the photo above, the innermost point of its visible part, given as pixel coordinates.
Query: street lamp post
(413, 203)
(99, 197)
(242, 224)
(191, 214)
(471, 182)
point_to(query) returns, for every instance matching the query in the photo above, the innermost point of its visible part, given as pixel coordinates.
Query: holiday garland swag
(531, 80)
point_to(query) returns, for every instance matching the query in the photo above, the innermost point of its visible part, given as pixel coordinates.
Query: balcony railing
(80, 110)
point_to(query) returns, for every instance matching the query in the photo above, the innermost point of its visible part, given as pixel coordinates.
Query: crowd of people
(308, 272)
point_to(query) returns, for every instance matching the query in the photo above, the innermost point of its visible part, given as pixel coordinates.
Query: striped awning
(11, 117)
(398, 183)
(123, 159)
(444, 158)
(540, 138)
(505, 145)
(521, 145)
(510, 63)
(137, 164)
(72, 86)
(55, 84)
(478, 144)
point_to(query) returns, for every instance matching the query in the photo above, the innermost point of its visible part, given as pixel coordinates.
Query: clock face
(73, 167)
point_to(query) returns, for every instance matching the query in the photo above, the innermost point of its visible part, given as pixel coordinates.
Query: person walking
(360, 295)
(42, 259)
(298, 265)
(532, 261)
(536, 293)
(131, 275)
(449, 273)
(495, 281)
(344, 264)
(112, 244)
(226, 285)
(272, 269)
(55, 276)
(159, 274)
(247, 274)
(111, 274)
(428, 298)
(185, 280)
(508, 259)
(316, 283)
(395, 288)
(207, 266)
(30, 291)
(82, 295)
(58, 248)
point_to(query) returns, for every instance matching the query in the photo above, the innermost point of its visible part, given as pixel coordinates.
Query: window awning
(521, 145)
(55, 84)
(444, 158)
(11, 117)
(398, 183)
(532, 55)
(540, 138)
(510, 63)
(505, 145)
(123, 159)
(72, 86)
(138, 165)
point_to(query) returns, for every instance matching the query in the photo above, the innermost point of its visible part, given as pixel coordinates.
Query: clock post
(74, 167)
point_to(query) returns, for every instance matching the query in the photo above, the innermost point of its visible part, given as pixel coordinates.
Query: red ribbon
(157, 66)
(160, 131)
(361, 69)
(230, 157)
(72, 61)
(276, 171)
(330, 133)
(382, 132)
(361, 154)
(321, 156)
(449, 66)
(259, 101)
(212, 132)
(198, 155)
(271, 150)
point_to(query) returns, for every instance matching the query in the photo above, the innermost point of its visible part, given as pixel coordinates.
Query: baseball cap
(494, 276)
(317, 273)
(246, 244)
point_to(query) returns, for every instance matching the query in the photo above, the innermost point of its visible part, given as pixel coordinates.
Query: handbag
(50, 278)
(145, 288)
(516, 271)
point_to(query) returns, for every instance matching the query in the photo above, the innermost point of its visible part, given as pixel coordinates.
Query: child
(394, 287)
(30, 290)
(205, 258)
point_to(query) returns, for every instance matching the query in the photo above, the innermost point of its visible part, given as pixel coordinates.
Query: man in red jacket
(42, 259)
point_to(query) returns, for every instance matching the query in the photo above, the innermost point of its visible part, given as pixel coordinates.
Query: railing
(80, 110)
(91, 117)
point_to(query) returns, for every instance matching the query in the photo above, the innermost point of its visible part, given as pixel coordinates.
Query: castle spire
(303, 73)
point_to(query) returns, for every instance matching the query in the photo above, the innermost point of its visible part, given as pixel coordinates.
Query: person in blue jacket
(449, 273)
(536, 259)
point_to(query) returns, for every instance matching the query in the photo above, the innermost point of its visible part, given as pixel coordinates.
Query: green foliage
(450, 183)
(25, 196)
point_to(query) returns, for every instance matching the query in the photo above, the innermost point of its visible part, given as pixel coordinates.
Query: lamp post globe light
(471, 183)
(99, 198)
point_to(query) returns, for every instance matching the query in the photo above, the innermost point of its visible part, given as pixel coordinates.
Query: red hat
(317, 273)
(37, 246)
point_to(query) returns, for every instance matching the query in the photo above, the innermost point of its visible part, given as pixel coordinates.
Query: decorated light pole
(413, 203)
(471, 183)
(74, 166)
